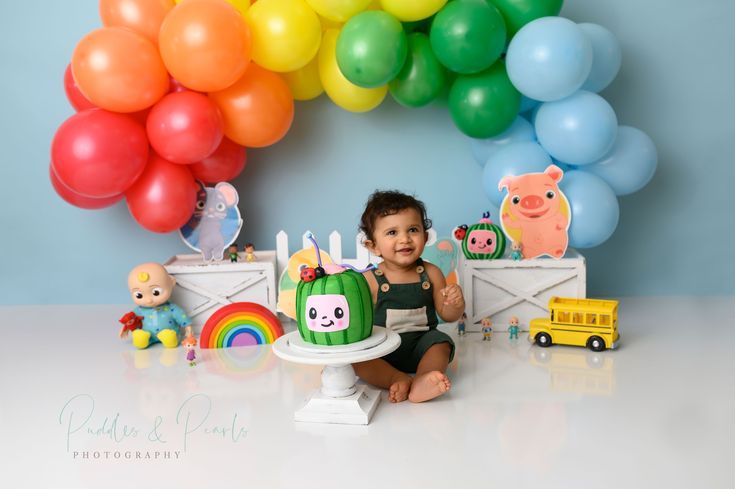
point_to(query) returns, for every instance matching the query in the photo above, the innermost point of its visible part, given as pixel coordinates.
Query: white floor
(79, 408)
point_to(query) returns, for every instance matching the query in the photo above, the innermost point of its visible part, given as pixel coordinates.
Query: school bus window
(591, 319)
(604, 319)
(562, 317)
(578, 318)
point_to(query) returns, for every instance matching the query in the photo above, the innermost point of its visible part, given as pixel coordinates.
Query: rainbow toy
(240, 324)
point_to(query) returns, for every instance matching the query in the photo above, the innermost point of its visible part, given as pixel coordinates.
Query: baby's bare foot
(428, 386)
(398, 391)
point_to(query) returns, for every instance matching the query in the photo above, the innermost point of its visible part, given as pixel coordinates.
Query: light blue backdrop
(674, 237)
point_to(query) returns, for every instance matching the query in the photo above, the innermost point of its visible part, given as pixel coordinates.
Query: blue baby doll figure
(151, 287)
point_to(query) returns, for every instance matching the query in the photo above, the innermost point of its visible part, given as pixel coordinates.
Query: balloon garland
(169, 92)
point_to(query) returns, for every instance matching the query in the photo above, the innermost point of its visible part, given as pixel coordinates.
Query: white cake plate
(339, 400)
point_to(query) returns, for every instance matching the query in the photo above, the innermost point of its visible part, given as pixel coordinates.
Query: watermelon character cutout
(481, 241)
(334, 305)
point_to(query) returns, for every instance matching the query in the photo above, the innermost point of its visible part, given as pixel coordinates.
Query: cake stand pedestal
(339, 400)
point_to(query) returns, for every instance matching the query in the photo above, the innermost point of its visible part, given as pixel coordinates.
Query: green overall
(408, 309)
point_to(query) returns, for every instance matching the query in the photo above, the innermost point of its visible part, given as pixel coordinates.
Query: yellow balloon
(305, 83)
(338, 10)
(410, 10)
(286, 34)
(342, 92)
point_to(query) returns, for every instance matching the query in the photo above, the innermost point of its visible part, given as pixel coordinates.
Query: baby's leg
(430, 380)
(382, 374)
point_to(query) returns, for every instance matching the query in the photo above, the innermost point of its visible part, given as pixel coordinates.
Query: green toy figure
(513, 328)
(232, 250)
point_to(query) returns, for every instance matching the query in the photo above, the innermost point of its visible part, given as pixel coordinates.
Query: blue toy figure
(516, 254)
(513, 328)
(461, 324)
(487, 330)
(151, 287)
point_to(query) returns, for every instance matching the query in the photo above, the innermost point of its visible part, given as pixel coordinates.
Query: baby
(151, 287)
(408, 294)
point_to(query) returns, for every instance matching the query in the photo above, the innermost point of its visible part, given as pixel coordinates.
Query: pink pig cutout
(536, 213)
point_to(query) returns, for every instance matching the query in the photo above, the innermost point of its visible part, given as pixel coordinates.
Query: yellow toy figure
(487, 329)
(249, 252)
(151, 287)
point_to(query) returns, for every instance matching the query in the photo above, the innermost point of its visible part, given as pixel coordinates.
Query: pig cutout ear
(228, 192)
(505, 182)
(554, 172)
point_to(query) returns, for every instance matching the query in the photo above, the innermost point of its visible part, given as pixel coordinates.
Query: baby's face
(399, 238)
(150, 286)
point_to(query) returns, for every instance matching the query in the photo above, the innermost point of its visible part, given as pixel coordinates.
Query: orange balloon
(258, 109)
(205, 44)
(119, 70)
(142, 16)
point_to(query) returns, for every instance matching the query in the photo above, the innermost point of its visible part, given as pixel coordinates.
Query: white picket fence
(363, 257)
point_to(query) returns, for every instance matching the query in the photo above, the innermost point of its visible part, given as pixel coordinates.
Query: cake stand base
(357, 408)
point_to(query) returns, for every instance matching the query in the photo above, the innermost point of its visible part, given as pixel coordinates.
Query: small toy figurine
(151, 287)
(189, 343)
(130, 322)
(249, 250)
(461, 324)
(513, 328)
(516, 253)
(487, 330)
(232, 250)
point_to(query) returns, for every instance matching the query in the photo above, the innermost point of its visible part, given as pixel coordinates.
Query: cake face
(334, 309)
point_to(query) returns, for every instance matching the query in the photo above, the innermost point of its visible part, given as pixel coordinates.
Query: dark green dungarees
(408, 309)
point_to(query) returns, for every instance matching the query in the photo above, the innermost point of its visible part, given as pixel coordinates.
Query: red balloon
(185, 127)
(225, 164)
(79, 200)
(73, 94)
(99, 154)
(163, 198)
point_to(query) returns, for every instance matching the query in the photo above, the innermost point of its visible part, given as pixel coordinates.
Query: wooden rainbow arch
(240, 324)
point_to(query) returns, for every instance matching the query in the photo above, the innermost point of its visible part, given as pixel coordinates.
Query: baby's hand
(453, 296)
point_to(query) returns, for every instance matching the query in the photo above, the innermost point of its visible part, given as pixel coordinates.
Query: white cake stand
(339, 400)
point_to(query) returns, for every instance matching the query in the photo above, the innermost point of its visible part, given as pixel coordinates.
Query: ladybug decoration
(308, 274)
(460, 232)
(481, 241)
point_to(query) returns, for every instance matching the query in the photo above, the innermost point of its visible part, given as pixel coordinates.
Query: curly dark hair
(388, 202)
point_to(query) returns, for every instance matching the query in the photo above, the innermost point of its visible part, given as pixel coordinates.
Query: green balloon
(484, 104)
(371, 48)
(518, 13)
(422, 78)
(468, 36)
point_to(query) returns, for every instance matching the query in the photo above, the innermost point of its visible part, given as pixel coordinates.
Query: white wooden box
(505, 287)
(202, 288)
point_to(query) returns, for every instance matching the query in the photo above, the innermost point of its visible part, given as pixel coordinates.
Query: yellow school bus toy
(580, 322)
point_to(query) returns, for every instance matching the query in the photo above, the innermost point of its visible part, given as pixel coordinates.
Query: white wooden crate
(505, 287)
(203, 288)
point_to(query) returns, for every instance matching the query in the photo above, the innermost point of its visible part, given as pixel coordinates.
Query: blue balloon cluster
(559, 67)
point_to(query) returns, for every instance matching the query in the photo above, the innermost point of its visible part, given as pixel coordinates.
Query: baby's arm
(448, 299)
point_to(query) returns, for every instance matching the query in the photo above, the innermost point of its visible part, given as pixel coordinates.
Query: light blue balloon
(606, 57)
(513, 159)
(595, 209)
(578, 130)
(631, 163)
(521, 130)
(549, 58)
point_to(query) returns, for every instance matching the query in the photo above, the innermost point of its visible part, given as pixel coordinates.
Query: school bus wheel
(543, 340)
(595, 343)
